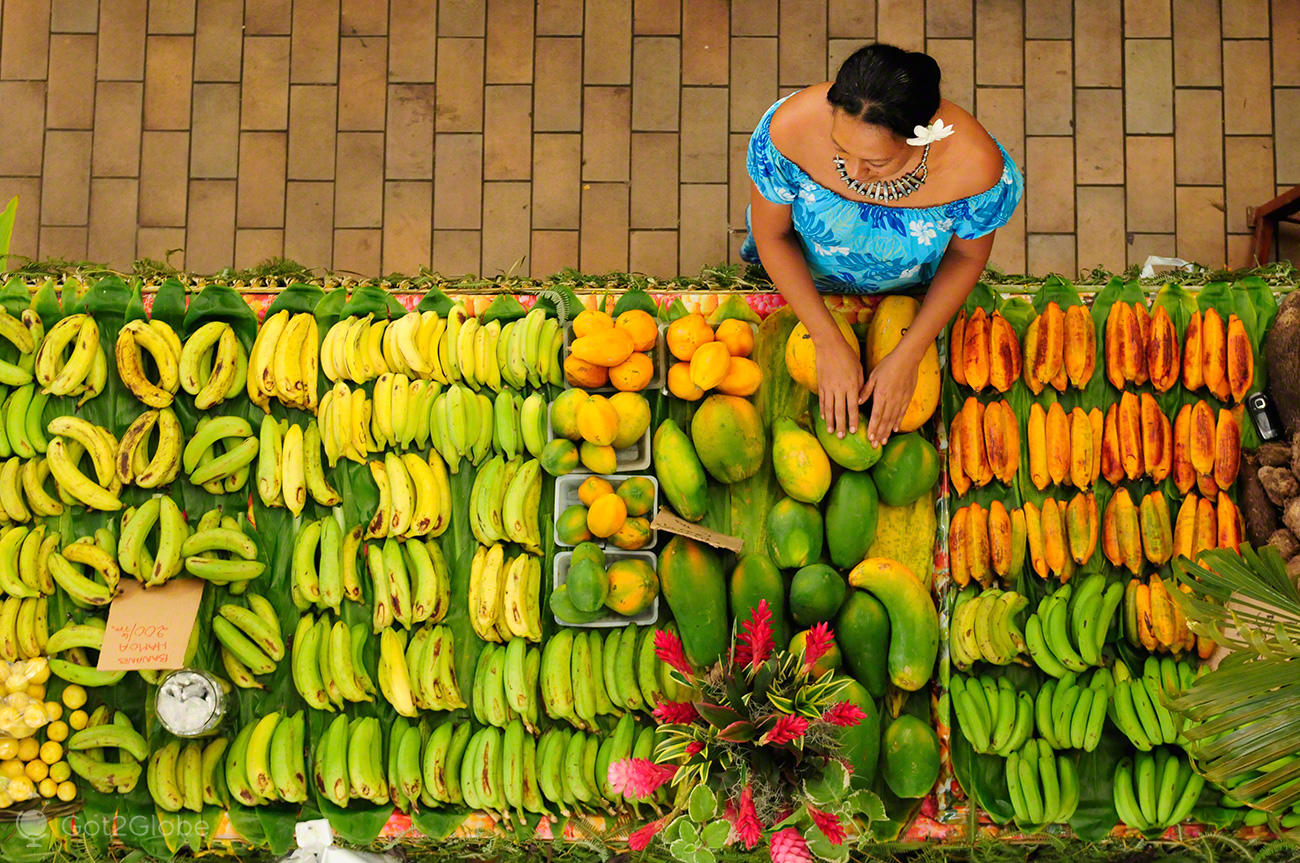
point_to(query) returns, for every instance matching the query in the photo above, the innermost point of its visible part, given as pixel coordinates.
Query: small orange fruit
(598, 459)
(593, 487)
(605, 348)
(638, 492)
(686, 334)
(680, 383)
(606, 515)
(633, 535)
(589, 321)
(641, 326)
(737, 335)
(743, 377)
(584, 374)
(633, 374)
(598, 421)
(709, 365)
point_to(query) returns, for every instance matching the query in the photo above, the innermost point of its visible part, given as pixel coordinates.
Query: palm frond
(1245, 602)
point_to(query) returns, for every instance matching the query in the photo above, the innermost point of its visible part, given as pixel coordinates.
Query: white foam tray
(633, 459)
(658, 358)
(566, 495)
(610, 620)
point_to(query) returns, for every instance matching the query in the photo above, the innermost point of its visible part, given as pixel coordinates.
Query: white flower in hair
(936, 131)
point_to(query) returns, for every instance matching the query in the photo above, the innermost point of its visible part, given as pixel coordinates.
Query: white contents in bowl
(188, 703)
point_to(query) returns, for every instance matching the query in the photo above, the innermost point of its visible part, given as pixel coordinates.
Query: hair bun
(886, 86)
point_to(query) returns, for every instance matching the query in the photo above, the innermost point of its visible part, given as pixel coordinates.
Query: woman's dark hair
(886, 86)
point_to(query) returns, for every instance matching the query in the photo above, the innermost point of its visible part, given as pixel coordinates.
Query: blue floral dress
(861, 247)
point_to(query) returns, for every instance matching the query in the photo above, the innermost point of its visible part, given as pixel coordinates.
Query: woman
(859, 186)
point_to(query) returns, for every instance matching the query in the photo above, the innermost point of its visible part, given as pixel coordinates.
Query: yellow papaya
(892, 317)
(801, 355)
(913, 619)
(800, 463)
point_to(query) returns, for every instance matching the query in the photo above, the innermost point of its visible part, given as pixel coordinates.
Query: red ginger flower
(788, 727)
(638, 778)
(843, 714)
(668, 648)
(695, 747)
(820, 639)
(748, 828)
(755, 642)
(788, 846)
(639, 839)
(828, 823)
(675, 713)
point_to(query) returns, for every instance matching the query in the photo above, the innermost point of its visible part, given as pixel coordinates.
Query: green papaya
(860, 744)
(563, 608)
(794, 533)
(851, 518)
(863, 629)
(910, 756)
(816, 594)
(851, 452)
(728, 437)
(681, 476)
(693, 585)
(908, 468)
(913, 619)
(756, 578)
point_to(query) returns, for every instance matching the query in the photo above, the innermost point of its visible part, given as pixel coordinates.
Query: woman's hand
(839, 382)
(891, 385)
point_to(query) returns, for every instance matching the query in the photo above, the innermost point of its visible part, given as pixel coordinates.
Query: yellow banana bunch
(213, 364)
(24, 628)
(84, 369)
(414, 496)
(289, 466)
(160, 342)
(24, 561)
(284, 361)
(135, 464)
(25, 335)
(219, 456)
(73, 438)
(86, 570)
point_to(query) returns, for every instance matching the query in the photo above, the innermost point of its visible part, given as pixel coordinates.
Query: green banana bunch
(290, 466)
(152, 539)
(984, 629)
(265, 762)
(219, 456)
(327, 663)
(1138, 704)
(221, 551)
(73, 438)
(213, 365)
(534, 424)
(94, 585)
(251, 644)
(22, 432)
(585, 674)
(24, 628)
(1069, 715)
(85, 371)
(1155, 790)
(1068, 630)
(186, 776)
(440, 764)
(24, 561)
(88, 752)
(1043, 786)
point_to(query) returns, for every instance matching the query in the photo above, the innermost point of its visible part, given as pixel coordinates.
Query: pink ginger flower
(820, 639)
(639, 839)
(788, 846)
(843, 714)
(668, 648)
(755, 642)
(789, 727)
(828, 823)
(638, 778)
(694, 748)
(675, 713)
(748, 828)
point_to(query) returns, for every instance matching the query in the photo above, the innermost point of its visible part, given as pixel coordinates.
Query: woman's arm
(839, 364)
(893, 380)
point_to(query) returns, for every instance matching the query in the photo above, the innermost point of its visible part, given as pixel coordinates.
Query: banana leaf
(169, 304)
(327, 309)
(359, 824)
(505, 308)
(372, 300)
(221, 303)
(20, 845)
(636, 298)
(297, 298)
(438, 824)
(560, 301)
(45, 302)
(435, 301)
(15, 296)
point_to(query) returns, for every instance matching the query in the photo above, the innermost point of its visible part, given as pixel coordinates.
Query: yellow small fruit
(633, 418)
(593, 487)
(21, 788)
(61, 771)
(56, 732)
(51, 752)
(8, 748)
(11, 768)
(28, 749)
(48, 788)
(53, 710)
(680, 383)
(38, 670)
(78, 719)
(34, 715)
(74, 696)
(5, 800)
(15, 684)
(67, 792)
(607, 515)
(36, 770)
(709, 365)
(36, 690)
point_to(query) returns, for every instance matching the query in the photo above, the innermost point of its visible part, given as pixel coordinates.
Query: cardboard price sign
(669, 521)
(150, 629)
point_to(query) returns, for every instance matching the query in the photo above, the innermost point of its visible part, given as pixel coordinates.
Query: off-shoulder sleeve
(771, 171)
(992, 209)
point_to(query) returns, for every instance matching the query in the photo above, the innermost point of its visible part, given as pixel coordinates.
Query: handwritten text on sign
(150, 629)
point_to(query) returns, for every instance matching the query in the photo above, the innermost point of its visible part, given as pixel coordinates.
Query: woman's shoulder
(799, 118)
(970, 157)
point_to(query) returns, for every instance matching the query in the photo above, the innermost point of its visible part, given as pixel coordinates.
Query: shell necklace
(886, 190)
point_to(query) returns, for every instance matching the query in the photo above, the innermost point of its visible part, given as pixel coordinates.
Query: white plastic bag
(1153, 261)
(316, 845)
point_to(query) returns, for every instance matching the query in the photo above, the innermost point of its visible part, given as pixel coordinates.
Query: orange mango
(1163, 366)
(975, 350)
(1240, 359)
(1080, 345)
(1004, 354)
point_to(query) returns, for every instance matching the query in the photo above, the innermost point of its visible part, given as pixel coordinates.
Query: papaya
(862, 629)
(588, 585)
(893, 315)
(908, 468)
(756, 578)
(909, 755)
(801, 354)
(800, 463)
(728, 436)
(559, 457)
(816, 594)
(566, 612)
(860, 744)
(794, 533)
(681, 476)
(851, 518)
(831, 660)
(853, 451)
(693, 585)
(587, 551)
(906, 534)
(633, 586)
(913, 620)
